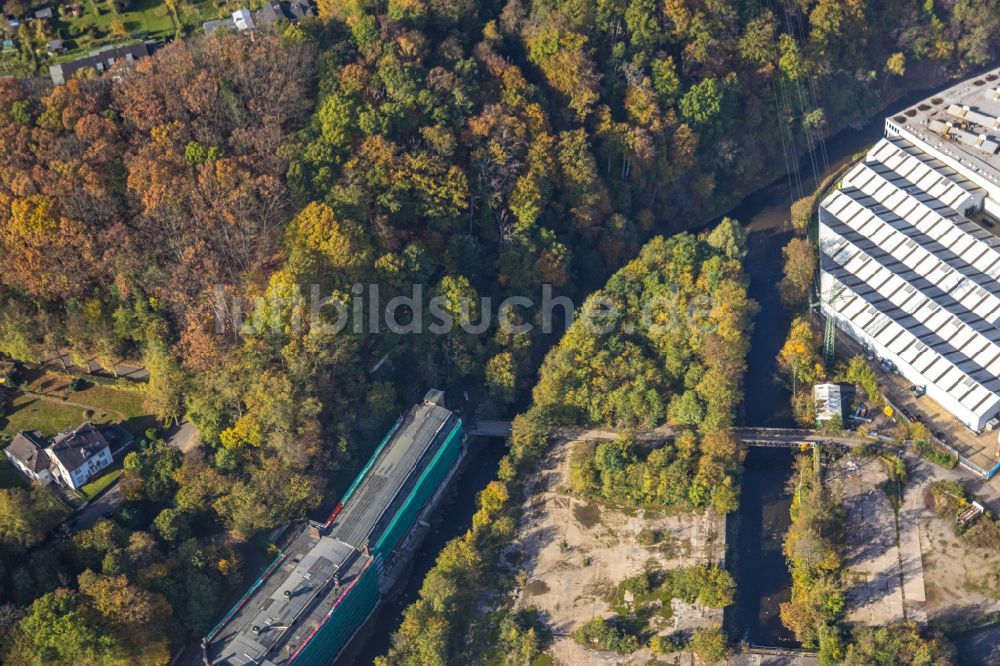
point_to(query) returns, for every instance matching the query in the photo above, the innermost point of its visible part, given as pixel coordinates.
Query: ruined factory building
(329, 577)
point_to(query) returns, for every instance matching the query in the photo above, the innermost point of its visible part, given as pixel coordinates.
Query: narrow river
(757, 529)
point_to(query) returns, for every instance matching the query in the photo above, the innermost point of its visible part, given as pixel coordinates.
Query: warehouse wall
(424, 489)
(350, 612)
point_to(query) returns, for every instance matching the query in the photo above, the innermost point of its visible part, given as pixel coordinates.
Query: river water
(757, 529)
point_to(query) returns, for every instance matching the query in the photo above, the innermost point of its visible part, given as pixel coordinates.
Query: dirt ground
(576, 552)
(922, 571)
(960, 579)
(871, 558)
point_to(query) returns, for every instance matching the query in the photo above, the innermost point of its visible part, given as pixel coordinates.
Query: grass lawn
(104, 404)
(143, 19)
(125, 402)
(93, 488)
(29, 412)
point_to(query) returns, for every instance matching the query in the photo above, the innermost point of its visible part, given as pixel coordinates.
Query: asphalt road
(97, 509)
(132, 372)
(185, 438)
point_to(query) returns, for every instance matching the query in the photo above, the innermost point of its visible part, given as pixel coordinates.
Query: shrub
(937, 455)
(709, 644)
(601, 634)
(859, 372)
(648, 537)
(666, 644)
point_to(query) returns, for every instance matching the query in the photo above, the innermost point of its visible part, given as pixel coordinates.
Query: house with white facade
(909, 252)
(79, 454)
(27, 453)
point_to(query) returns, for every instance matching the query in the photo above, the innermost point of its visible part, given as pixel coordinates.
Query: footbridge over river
(773, 437)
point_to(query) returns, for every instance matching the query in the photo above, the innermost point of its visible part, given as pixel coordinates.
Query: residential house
(54, 47)
(269, 13)
(243, 20)
(102, 60)
(79, 454)
(27, 453)
(44, 13)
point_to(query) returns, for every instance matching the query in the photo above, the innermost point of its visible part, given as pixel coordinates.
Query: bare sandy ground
(576, 552)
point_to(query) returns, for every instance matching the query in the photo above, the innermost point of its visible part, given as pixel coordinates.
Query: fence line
(962, 460)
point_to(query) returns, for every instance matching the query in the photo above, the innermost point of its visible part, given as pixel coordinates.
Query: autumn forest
(477, 148)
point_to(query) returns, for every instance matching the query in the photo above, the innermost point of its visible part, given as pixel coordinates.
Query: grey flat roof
(962, 121)
(311, 560)
(386, 480)
(316, 553)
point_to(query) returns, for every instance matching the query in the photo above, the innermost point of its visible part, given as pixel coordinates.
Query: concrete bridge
(775, 437)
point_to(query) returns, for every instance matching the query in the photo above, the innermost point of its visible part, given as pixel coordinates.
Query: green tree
(896, 64)
(702, 104)
(709, 644)
(27, 516)
(61, 627)
(800, 268)
(155, 466)
(686, 409)
(171, 525)
(730, 238)
(501, 376)
(666, 82)
(900, 643)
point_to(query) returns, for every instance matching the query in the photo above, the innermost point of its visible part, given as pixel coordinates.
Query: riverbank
(762, 576)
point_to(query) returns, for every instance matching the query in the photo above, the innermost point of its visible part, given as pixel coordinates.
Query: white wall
(975, 421)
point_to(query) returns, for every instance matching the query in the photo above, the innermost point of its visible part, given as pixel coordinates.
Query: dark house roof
(268, 13)
(272, 11)
(102, 60)
(29, 449)
(74, 447)
(296, 11)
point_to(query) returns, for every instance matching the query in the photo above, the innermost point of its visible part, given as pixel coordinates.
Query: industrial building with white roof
(908, 255)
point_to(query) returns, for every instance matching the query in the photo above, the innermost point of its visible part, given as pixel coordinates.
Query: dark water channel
(757, 530)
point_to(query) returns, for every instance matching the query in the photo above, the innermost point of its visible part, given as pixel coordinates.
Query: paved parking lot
(874, 591)
(980, 449)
